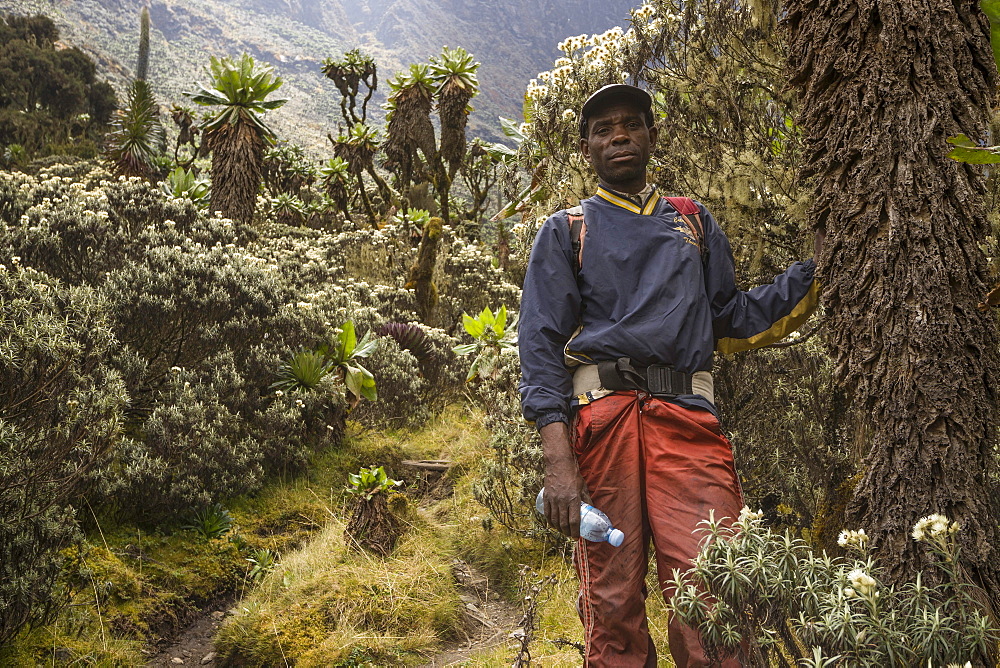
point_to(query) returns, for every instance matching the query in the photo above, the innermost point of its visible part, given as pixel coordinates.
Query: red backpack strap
(577, 234)
(691, 215)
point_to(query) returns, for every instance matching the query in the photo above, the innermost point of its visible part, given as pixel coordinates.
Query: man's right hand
(564, 486)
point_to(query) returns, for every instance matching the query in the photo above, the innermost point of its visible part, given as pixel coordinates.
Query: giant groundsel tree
(882, 86)
(236, 133)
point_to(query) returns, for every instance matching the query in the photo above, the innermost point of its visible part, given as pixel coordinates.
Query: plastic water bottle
(594, 525)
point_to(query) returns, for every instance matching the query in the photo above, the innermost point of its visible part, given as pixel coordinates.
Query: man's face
(618, 145)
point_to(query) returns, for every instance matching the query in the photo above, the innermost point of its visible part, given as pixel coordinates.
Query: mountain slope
(514, 39)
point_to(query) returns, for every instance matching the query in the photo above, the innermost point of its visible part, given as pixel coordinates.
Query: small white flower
(279, 393)
(861, 581)
(933, 526)
(568, 115)
(175, 369)
(849, 538)
(848, 592)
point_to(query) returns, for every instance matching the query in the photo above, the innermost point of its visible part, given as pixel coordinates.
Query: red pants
(656, 470)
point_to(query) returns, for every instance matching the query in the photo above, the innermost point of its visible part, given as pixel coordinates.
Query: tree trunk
(237, 156)
(883, 84)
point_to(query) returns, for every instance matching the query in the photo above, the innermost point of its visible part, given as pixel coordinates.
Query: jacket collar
(643, 202)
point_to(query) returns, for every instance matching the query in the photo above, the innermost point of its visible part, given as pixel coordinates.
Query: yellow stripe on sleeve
(778, 330)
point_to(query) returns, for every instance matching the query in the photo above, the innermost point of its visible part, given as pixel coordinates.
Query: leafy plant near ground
(784, 599)
(303, 373)
(370, 481)
(372, 526)
(211, 522)
(492, 336)
(343, 353)
(183, 184)
(263, 561)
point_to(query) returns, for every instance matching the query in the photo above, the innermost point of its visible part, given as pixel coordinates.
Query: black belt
(660, 380)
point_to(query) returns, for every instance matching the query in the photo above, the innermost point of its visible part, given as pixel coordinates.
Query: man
(617, 335)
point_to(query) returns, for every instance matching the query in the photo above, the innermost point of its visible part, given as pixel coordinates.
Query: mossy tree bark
(883, 84)
(421, 275)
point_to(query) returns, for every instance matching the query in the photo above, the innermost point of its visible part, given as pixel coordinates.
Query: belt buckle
(664, 381)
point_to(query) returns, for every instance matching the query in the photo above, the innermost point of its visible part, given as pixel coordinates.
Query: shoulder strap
(691, 215)
(577, 234)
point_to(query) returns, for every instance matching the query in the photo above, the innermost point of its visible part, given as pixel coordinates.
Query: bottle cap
(616, 537)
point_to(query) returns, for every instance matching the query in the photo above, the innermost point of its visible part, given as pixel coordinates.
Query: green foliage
(349, 74)
(264, 561)
(137, 137)
(210, 522)
(183, 184)
(370, 481)
(304, 372)
(240, 87)
(344, 352)
(972, 153)
(192, 449)
(782, 598)
(61, 412)
(51, 100)
(492, 336)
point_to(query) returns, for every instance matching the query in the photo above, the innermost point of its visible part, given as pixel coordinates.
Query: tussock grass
(326, 600)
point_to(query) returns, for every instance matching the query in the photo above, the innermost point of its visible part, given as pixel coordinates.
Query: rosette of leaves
(335, 177)
(358, 146)
(184, 184)
(288, 209)
(349, 74)
(454, 73)
(343, 352)
(303, 372)
(411, 337)
(236, 133)
(137, 136)
(372, 526)
(263, 561)
(408, 124)
(210, 522)
(492, 336)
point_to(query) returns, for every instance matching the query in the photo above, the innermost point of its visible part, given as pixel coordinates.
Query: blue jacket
(646, 292)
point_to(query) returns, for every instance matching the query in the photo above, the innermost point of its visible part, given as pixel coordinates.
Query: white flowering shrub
(402, 389)
(468, 280)
(189, 295)
(768, 595)
(193, 451)
(61, 411)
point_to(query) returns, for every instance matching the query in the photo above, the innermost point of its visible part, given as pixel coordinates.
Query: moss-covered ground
(323, 603)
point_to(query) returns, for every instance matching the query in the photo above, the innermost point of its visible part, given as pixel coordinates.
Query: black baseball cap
(615, 93)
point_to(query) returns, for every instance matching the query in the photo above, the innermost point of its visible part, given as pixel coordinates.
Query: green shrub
(192, 450)
(60, 416)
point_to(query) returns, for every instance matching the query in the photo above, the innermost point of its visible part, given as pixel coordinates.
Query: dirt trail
(194, 646)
